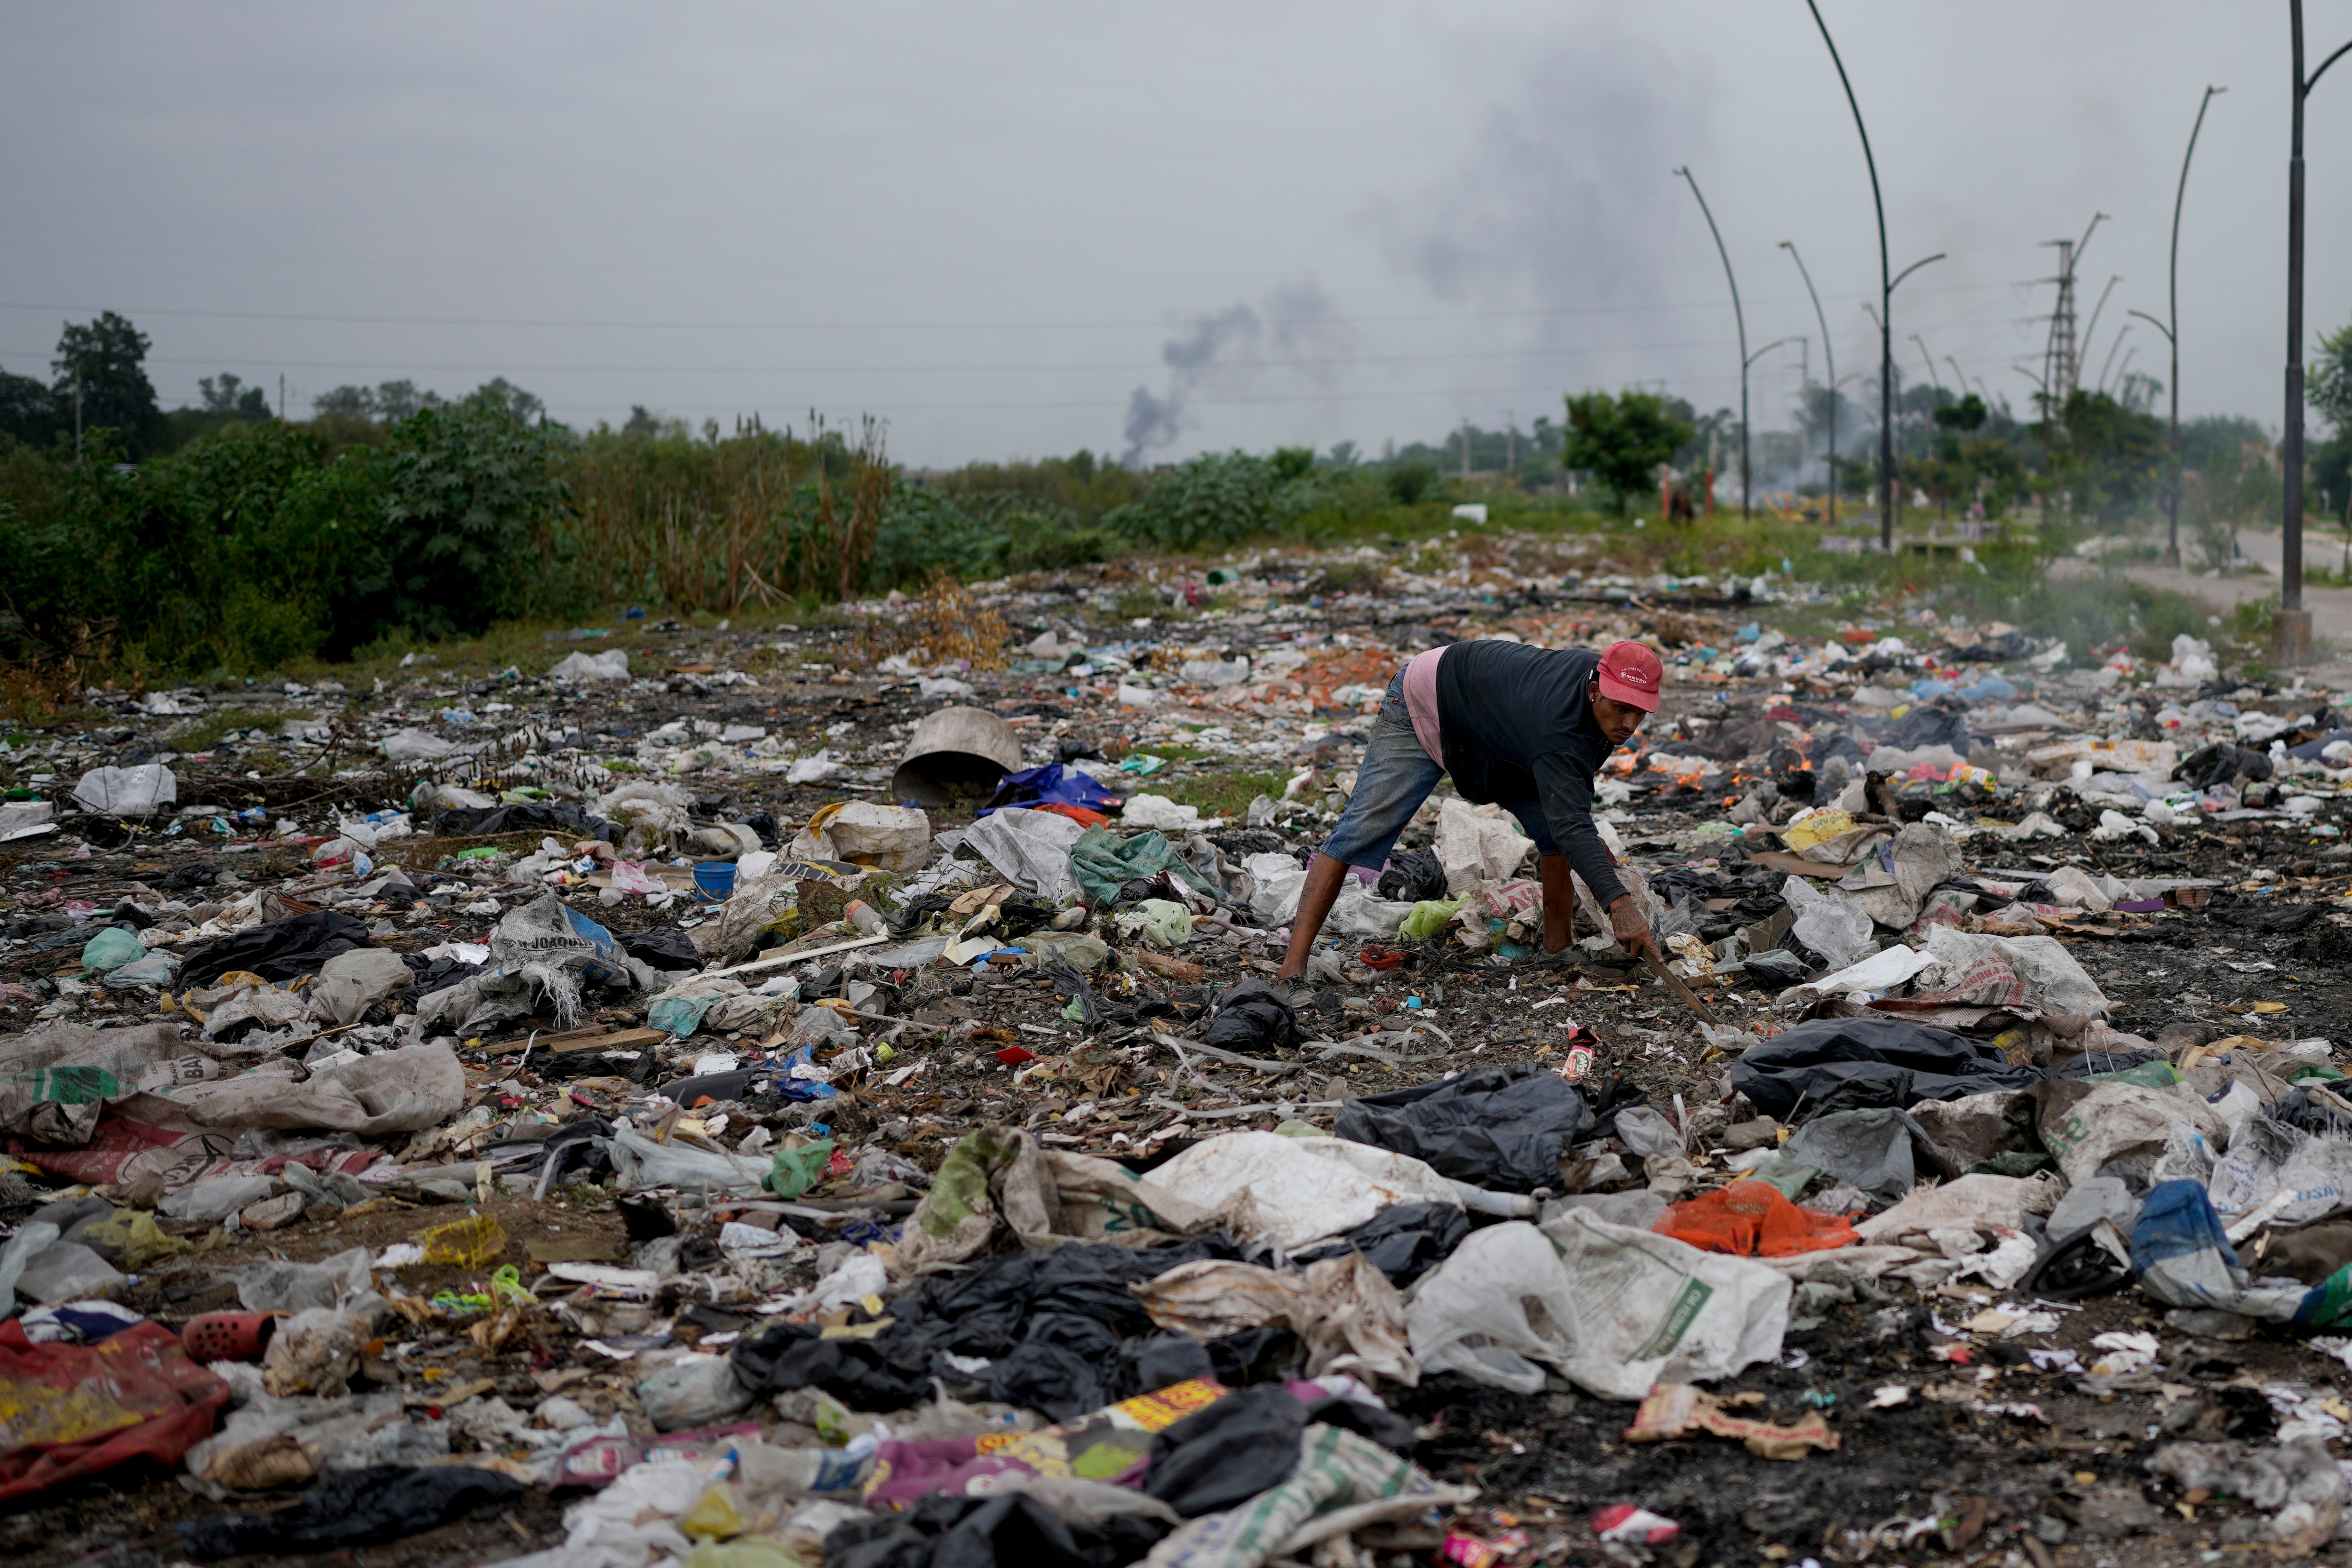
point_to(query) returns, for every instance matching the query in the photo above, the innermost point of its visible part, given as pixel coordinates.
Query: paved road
(2331, 608)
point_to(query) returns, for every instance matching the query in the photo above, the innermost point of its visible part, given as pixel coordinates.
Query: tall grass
(763, 519)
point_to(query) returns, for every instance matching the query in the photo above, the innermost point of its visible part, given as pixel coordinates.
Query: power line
(583, 323)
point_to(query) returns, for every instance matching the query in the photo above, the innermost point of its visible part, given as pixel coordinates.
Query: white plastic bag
(1827, 922)
(1275, 881)
(1029, 847)
(1500, 1299)
(1144, 811)
(127, 792)
(641, 1162)
(610, 666)
(1478, 844)
(1291, 1192)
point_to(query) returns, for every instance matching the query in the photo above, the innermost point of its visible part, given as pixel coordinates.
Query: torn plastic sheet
(84, 1409)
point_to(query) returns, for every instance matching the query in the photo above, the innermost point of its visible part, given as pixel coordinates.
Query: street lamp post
(1829, 355)
(2294, 621)
(1747, 487)
(1885, 305)
(2171, 332)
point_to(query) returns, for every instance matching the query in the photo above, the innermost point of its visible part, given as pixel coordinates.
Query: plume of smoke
(1563, 194)
(1294, 331)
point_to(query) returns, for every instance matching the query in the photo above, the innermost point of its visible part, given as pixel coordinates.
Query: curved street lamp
(1885, 304)
(2172, 334)
(1746, 487)
(1829, 357)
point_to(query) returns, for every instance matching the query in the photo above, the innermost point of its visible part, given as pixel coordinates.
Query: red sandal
(228, 1336)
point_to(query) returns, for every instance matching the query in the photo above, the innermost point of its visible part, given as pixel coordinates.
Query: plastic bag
(1029, 848)
(1428, 918)
(1293, 1191)
(610, 666)
(692, 1391)
(1275, 880)
(1751, 1220)
(1652, 1310)
(127, 792)
(1471, 1313)
(1478, 844)
(1161, 923)
(641, 1162)
(798, 1170)
(112, 948)
(1827, 923)
(1145, 810)
(894, 838)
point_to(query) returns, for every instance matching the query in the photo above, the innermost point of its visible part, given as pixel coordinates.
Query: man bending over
(1527, 727)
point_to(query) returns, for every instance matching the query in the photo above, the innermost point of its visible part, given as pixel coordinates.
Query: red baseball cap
(1631, 673)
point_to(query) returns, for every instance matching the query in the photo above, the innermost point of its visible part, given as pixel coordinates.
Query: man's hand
(1631, 931)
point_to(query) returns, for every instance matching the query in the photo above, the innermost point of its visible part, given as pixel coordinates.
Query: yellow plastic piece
(465, 1243)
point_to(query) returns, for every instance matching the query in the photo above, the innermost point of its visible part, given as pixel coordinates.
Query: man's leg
(1395, 777)
(1321, 891)
(1560, 902)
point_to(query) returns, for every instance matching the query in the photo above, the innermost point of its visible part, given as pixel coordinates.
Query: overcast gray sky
(989, 225)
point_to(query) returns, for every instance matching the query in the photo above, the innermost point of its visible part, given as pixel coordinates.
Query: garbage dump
(774, 1097)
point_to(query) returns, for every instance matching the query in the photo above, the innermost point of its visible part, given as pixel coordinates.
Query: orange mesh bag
(1751, 1220)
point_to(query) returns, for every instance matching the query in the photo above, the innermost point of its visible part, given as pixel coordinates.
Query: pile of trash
(737, 1100)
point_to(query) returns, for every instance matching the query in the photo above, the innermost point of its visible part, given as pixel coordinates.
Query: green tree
(2328, 387)
(1622, 440)
(28, 411)
(103, 363)
(472, 508)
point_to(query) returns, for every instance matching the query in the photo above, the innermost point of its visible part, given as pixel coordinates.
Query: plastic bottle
(865, 917)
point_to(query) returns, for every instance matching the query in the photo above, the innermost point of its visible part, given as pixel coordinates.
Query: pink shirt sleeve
(1421, 701)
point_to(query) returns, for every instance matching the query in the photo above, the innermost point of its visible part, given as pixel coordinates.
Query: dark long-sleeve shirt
(1516, 725)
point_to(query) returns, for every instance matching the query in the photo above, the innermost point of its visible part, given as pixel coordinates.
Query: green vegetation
(219, 540)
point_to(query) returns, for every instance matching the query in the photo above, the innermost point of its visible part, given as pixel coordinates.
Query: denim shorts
(1395, 778)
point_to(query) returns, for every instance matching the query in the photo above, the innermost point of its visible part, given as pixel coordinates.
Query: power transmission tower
(2063, 359)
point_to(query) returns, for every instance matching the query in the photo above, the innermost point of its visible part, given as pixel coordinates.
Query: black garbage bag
(557, 816)
(1366, 1420)
(1412, 876)
(2221, 763)
(1777, 968)
(1253, 1017)
(1058, 1368)
(861, 1374)
(355, 1508)
(2077, 1267)
(2006, 648)
(663, 947)
(1222, 1455)
(433, 974)
(200, 874)
(915, 910)
(1011, 1530)
(1403, 1242)
(1160, 1361)
(1856, 1064)
(1929, 724)
(299, 944)
(1257, 1355)
(1502, 1128)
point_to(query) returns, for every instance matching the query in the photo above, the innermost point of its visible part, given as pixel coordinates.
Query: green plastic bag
(798, 1170)
(2148, 1075)
(1104, 863)
(1163, 924)
(111, 949)
(679, 1016)
(1429, 917)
